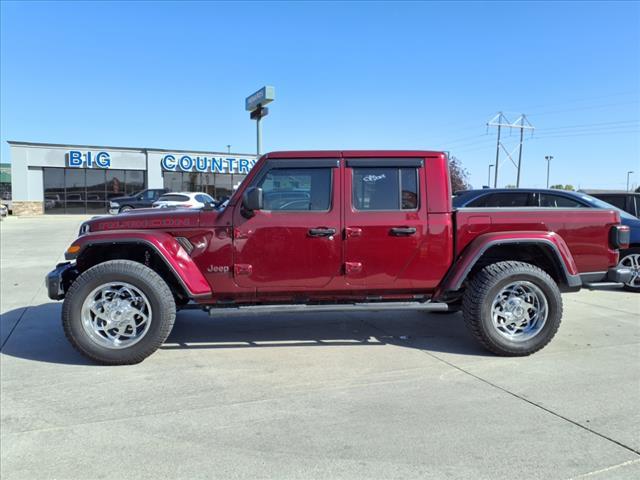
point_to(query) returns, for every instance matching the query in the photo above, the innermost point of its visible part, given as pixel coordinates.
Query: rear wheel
(631, 259)
(118, 312)
(512, 308)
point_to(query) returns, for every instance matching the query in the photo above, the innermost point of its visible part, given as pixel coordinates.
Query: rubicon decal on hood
(162, 222)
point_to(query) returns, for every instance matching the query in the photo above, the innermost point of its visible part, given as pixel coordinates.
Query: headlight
(114, 204)
(84, 229)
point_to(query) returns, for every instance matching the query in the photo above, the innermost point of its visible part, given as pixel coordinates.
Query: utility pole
(548, 158)
(489, 179)
(520, 158)
(628, 174)
(495, 181)
(521, 123)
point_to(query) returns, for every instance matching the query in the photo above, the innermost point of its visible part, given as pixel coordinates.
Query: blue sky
(347, 75)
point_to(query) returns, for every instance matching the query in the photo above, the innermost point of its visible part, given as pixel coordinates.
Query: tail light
(619, 236)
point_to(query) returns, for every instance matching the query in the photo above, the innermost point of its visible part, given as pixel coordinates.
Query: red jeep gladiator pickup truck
(333, 230)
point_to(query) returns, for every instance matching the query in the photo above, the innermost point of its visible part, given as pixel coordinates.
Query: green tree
(459, 175)
(559, 186)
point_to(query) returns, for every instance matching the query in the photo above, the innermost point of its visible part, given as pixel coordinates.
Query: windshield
(597, 203)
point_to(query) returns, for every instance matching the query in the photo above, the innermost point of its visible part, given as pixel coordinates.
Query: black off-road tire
(483, 288)
(163, 310)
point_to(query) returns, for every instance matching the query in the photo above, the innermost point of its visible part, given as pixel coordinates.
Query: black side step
(602, 285)
(338, 307)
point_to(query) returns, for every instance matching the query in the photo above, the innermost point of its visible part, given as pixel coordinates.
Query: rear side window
(615, 200)
(507, 199)
(297, 189)
(202, 198)
(385, 188)
(558, 201)
(173, 198)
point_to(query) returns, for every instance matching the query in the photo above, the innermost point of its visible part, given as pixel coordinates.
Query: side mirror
(252, 199)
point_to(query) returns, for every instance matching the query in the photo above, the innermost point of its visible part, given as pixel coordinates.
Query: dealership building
(53, 178)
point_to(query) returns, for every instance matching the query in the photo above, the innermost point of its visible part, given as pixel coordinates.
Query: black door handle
(403, 231)
(322, 232)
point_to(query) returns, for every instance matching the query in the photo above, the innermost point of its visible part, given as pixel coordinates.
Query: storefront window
(173, 181)
(76, 190)
(224, 186)
(219, 186)
(115, 184)
(53, 190)
(134, 181)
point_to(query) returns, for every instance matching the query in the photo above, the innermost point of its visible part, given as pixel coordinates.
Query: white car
(184, 199)
(4, 211)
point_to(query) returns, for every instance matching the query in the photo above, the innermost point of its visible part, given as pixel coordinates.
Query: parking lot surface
(358, 395)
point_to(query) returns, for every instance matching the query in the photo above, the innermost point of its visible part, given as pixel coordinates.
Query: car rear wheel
(118, 312)
(512, 308)
(631, 259)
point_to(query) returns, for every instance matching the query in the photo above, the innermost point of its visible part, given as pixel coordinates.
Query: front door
(385, 223)
(294, 243)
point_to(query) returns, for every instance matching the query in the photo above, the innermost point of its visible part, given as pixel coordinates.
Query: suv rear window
(173, 198)
(385, 188)
(506, 199)
(558, 201)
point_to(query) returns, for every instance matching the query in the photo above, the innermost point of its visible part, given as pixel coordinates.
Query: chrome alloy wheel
(519, 311)
(632, 261)
(116, 315)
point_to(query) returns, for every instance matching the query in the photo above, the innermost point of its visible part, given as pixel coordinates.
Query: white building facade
(55, 178)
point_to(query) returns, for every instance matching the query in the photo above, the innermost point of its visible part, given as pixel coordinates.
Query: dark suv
(141, 199)
(543, 198)
(627, 201)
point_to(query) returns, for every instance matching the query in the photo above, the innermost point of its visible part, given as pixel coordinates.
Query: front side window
(297, 189)
(385, 188)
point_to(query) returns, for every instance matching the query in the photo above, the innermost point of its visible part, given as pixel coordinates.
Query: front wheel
(118, 312)
(126, 208)
(631, 259)
(512, 308)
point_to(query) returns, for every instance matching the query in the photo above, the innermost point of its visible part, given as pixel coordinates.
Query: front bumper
(114, 210)
(60, 279)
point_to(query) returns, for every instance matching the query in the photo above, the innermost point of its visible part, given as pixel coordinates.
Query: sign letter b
(75, 158)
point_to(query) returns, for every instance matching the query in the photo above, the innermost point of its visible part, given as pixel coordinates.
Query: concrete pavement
(379, 395)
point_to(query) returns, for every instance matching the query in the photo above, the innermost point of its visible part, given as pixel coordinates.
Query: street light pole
(628, 174)
(489, 179)
(548, 158)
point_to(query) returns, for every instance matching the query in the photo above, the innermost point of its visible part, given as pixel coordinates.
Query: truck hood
(124, 198)
(144, 219)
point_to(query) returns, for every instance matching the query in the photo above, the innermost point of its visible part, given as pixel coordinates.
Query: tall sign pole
(255, 104)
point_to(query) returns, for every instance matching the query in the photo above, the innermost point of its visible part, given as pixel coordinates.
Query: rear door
(294, 243)
(385, 221)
